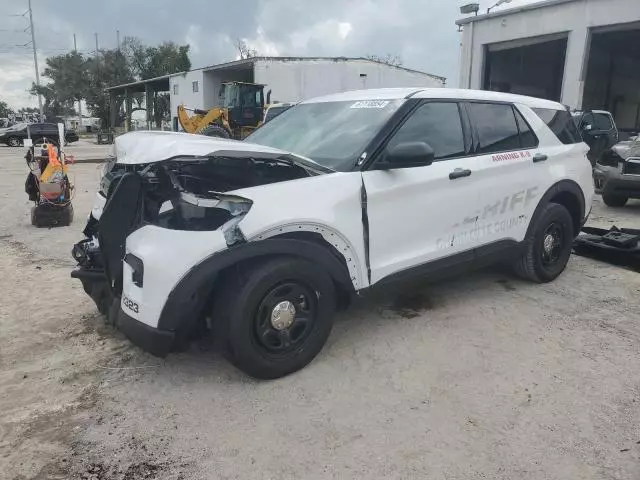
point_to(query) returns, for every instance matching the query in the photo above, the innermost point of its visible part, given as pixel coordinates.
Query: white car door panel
(411, 210)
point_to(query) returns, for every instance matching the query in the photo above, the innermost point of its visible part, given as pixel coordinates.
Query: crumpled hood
(150, 147)
(627, 149)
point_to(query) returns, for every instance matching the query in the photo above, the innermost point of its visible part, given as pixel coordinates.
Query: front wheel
(614, 200)
(274, 318)
(548, 246)
(14, 142)
(215, 131)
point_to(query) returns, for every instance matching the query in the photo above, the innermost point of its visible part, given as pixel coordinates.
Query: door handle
(539, 157)
(459, 173)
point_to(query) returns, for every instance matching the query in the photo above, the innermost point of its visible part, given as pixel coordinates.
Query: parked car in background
(276, 109)
(268, 236)
(617, 173)
(15, 135)
(626, 134)
(598, 130)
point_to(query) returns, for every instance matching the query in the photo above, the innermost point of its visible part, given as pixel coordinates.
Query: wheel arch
(195, 291)
(568, 194)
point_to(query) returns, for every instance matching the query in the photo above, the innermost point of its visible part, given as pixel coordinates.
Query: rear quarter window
(602, 122)
(561, 124)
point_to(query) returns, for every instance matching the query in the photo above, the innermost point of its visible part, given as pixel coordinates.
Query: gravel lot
(482, 376)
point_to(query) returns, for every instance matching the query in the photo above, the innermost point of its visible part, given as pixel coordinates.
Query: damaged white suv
(262, 240)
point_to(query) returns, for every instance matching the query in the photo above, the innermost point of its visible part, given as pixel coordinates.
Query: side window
(496, 126)
(561, 124)
(602, 122)
(437, 124)
(528, 139)
(587, 119)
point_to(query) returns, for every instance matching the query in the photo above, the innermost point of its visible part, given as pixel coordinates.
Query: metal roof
(511, 11)
(162, 83)
(157, 83)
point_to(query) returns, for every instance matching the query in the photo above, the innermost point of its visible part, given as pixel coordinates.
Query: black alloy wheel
(273, 317)
(552, 242)
(284, 318)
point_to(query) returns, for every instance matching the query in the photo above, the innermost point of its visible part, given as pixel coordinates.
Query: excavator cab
(240, 112)
(244, 103)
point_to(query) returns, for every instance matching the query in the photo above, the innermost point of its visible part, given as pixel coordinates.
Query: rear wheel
(215, 131)
(273, 319)
(548, 246)
(14, 142)
(614, 200)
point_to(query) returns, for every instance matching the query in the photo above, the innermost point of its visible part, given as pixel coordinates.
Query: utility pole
(35, 60)
(118, 37)
(75, 46)
(96, 46)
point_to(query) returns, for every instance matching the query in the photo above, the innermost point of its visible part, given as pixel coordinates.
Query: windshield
(273, 112)
(333, 134)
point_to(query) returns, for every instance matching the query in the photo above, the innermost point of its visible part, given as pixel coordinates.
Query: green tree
(110, 68)
(5, 111)
(68, 84)
(53, 105)
(149, 62)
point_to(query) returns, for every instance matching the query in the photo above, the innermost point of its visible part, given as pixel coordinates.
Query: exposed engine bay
(183, 193)
(189, 194)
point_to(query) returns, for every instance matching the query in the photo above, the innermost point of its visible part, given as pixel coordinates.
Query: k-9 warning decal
(503, 157)
(371, 104)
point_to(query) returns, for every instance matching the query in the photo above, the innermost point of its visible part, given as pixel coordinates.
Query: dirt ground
(482, 376)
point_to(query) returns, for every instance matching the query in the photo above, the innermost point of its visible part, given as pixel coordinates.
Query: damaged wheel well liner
(193, 293)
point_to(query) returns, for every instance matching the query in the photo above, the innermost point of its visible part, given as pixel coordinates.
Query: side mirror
(408, 154)
(587, 127)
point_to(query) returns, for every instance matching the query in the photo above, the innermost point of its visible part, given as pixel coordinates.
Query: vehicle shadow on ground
(366, 318)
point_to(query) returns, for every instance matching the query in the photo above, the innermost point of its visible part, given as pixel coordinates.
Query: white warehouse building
(292, 79)
(584, 53)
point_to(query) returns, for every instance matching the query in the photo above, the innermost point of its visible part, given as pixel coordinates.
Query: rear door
(508, 173)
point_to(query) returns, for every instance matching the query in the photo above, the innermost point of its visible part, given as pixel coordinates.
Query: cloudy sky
(421, 32)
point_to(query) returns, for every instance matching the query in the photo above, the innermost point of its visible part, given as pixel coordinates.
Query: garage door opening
(612, 81)
(535, 68)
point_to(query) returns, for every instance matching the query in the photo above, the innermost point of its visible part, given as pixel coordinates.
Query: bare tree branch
(244, 50)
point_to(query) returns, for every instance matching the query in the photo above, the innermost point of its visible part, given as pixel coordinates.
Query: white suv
(262, 240)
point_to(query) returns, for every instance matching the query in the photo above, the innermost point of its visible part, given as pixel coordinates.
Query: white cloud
(191, 38)
(18, 74)
(344, 28)
(421, 32)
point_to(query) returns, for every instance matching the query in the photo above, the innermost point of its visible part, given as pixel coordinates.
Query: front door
(411, 210)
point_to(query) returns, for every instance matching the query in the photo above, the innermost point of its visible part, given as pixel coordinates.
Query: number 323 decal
(130, 304)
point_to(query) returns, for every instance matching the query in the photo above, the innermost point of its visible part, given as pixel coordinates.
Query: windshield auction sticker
(371, 104)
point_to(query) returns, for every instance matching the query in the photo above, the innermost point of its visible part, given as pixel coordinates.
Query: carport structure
(584, 53)
(124, 93)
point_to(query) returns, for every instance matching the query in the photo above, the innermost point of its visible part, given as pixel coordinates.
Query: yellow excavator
(241, 112)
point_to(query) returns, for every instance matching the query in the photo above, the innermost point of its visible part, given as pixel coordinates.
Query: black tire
(215, 131)
(14, 142)
(614, 200)
(243, 316)
(541, 263)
